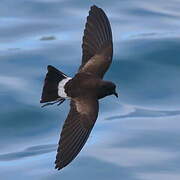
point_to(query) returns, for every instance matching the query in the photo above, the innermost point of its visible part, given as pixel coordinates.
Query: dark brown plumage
(97, 43)
(84, 89)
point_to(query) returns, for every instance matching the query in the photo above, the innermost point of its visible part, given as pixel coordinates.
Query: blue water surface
(136, 137)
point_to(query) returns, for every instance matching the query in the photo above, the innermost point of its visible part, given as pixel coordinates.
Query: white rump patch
(61, 90)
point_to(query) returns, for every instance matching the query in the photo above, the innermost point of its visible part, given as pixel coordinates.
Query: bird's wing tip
(58, 167)
(49, 67)
(94, 7)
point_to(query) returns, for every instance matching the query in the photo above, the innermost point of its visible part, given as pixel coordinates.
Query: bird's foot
(59, 101)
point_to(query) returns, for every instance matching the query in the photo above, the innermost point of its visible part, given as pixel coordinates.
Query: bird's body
(83, 84)
(84, 89)
(86, 85)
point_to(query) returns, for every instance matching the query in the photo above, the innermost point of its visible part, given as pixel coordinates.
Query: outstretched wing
(76, 130)
(97, 43)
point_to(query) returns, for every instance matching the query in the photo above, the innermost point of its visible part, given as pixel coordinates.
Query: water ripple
(145, 113)
(28, 152)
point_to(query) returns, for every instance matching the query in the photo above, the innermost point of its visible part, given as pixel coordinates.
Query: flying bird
(84, 89)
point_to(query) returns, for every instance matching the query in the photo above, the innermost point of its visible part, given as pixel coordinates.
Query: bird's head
(112, 89)
(107, 89)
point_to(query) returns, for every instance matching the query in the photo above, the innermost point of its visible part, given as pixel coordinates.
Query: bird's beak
(116, 94)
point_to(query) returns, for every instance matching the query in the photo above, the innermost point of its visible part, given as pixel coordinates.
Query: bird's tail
(51, 85)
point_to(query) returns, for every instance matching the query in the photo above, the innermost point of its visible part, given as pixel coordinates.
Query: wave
(145, 113)
(28, 152)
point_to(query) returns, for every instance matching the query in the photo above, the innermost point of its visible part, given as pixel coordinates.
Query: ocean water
(137, 136)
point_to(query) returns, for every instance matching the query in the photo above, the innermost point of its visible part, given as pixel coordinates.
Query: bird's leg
(47, 104)
(59, 101)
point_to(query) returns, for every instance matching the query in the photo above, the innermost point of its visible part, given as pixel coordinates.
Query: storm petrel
(84, 89)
